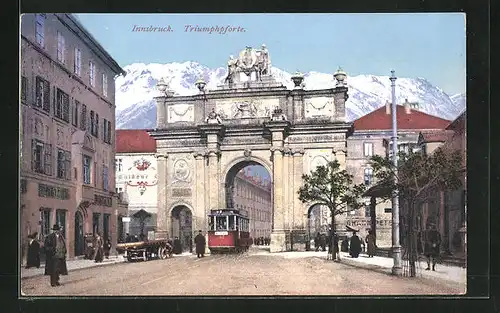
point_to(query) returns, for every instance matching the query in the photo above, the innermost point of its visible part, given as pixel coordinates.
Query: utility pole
(396, 247)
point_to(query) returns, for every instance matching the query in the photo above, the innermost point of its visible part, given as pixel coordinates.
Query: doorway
(79, 240)
(182, 226)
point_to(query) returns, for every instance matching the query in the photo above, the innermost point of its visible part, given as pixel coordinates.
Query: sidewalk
(454, 274)
(72, 265)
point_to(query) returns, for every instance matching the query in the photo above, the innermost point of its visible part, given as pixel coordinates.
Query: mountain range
(135, 107)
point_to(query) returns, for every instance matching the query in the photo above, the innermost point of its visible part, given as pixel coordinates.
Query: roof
(87, 37)
(459, 122)
(134, 141)
(380, 120)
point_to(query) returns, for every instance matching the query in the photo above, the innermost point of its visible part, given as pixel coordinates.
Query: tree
(418, 176)
(333, 187)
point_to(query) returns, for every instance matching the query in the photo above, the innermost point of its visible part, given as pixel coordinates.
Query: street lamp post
(396, 247)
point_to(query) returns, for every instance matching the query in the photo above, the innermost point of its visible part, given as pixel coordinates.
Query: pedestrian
(55, 252)
(432, 246)
(354, 245)
(336, 250)
(317, 242)
(177, 246)
(98, 249)
(33, 259)
(370, 243)
(322, 242)
(107, 248)
(200, 242)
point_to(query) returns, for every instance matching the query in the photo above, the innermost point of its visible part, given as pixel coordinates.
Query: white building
(136, 176)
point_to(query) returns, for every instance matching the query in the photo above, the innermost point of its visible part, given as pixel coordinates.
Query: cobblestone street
(255, 273)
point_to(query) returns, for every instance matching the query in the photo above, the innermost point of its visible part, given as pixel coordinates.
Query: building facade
(371, 136)
(252, 194)
(136, 176)
(447, 209)
(67, 131)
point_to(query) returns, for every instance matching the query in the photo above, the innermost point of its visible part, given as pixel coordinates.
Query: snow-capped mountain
(135, 107)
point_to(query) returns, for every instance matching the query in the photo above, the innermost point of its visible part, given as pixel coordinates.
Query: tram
(228, 231)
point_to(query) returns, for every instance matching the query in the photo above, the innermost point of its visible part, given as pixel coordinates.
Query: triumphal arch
(205, 139)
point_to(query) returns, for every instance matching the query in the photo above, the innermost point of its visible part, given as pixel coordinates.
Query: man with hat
(200, 242)
(55, 251)
(33, 259)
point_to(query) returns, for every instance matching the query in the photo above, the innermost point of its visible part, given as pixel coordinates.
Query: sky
(425, 45)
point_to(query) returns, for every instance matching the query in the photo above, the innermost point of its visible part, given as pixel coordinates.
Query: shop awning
(378, 191)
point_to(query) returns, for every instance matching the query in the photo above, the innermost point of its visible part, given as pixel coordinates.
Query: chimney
(407, 106)
(387, 107)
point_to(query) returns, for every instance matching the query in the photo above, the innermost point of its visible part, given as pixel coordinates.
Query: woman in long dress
(99, 249)
(370, 242)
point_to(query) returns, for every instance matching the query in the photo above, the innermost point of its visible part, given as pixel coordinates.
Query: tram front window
(221, 222)
(232, 222)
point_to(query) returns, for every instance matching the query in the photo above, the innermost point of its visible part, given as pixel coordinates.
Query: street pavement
(257, 272)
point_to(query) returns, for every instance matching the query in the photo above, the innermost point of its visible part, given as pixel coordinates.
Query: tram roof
(229, 212)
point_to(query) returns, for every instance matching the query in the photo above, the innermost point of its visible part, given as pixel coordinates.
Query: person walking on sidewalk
(98, 249)
(55, 251)
(432, 246)
(200, 242)
(370, 244)
(33, 259)
(354, 246)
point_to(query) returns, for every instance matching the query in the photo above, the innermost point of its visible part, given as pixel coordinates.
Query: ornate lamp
(340, 76)
(297, 79)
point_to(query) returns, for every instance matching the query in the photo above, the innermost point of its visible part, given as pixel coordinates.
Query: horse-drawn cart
(146, 250)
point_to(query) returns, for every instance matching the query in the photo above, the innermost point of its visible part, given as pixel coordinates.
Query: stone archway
(182, 226)
(200, 138)
(248, 187)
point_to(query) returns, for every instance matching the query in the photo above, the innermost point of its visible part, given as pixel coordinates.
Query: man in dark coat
(432, 246)
(354, 246)
(55, 251)
(334, 247)
(98, 249)
(33, 259)
(200, 242)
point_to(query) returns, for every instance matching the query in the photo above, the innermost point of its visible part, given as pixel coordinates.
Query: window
(83, 118)
(92, 122)
(387, 210)
(118, 189)
(42, 94)
(95, 222)
(24, 88)
(105, 178)
(45, 221)
(368, 149)
(95, 174)
(74, 116)
(92, 73)
(63, 164)
(60, 47)
(368, 176)
(78, 62)
(62, 105)
(105, 84)
(96, 125)
(86, 169)
(119, 165)
(41, 157)
(106, 234)
(109, 132)
(105, 130)
(40, 30)
(368, 211)
(61, 221)
(24, 185)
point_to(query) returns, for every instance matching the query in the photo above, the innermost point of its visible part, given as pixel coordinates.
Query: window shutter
(66, 108)
(67, 165)
(46, 96)
(33, 154)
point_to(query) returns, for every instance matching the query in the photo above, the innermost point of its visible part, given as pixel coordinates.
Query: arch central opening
(249, 189)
